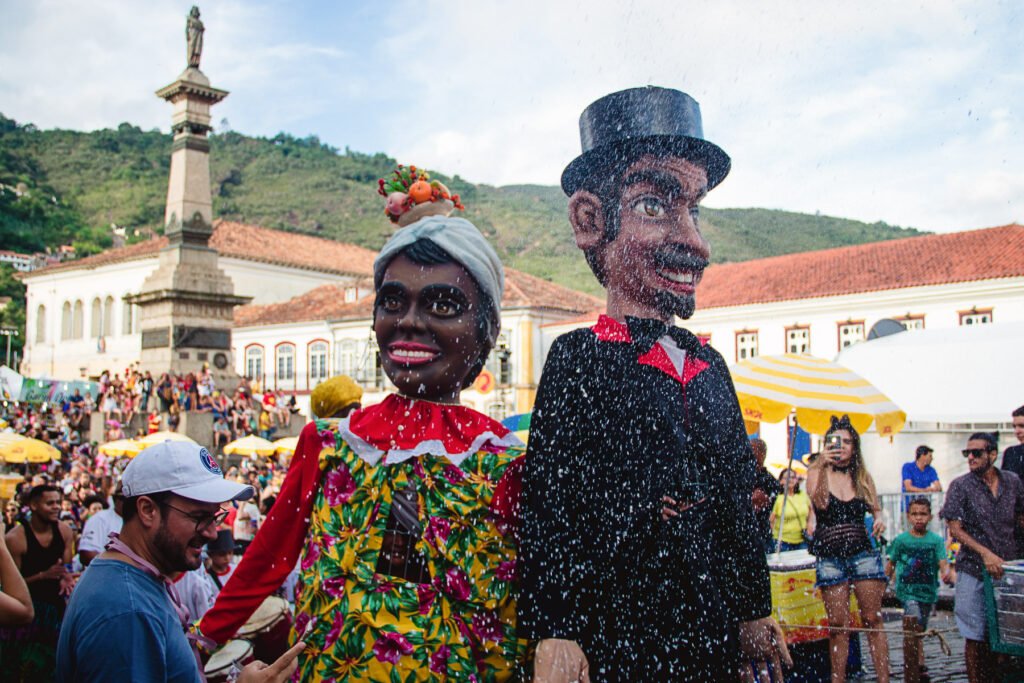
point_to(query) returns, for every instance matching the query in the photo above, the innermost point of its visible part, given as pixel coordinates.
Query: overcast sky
(906, 112)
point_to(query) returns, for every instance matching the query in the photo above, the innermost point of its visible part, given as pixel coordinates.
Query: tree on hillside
(13, 314)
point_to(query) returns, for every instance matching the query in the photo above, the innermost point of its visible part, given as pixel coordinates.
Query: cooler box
(1005, 607)
(796, 603)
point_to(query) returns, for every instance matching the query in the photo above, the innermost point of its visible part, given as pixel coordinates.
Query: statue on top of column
(194, 35)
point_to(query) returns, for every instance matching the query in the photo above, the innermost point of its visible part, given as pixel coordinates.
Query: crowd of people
(58, 522)
(839, 520)
(66, 425)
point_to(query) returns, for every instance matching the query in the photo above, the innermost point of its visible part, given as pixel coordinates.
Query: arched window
(254, 363)
(346, 358)
(66, 329)
(108, 316)
(317, 362)
(127, 317)
(96, 319)
(40, 324)
(285, 364)
(78, 321)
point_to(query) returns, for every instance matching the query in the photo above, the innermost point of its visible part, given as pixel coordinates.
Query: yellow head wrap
(334, 394)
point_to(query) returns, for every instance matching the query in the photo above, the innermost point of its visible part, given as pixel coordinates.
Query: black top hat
(623, 125)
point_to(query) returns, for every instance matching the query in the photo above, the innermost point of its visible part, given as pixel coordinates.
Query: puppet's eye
(391, 304)
(650, 207)
(445, 308)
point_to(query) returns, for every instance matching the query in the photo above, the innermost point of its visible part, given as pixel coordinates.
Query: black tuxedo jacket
(612, 433)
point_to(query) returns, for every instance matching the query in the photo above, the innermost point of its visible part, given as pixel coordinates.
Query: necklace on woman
(844, 469)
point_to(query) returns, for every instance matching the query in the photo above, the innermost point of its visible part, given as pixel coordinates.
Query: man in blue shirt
(919, 477)
(124, 621)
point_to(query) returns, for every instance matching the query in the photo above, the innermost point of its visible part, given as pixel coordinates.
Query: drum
(796, 603)
(268, 629)
(235, 653)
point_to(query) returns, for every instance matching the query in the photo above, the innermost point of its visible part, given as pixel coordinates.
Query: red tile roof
(251, 243)
(327, 302)
(937, 259)
(523, 290)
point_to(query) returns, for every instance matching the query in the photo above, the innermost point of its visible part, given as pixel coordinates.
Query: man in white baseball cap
(124, 621)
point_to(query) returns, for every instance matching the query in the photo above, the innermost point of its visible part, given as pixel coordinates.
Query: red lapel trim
(610, 330)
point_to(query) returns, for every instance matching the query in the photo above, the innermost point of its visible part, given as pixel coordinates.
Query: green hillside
(59, 186)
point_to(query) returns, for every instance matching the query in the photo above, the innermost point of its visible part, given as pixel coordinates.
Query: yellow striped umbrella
(249, 445)
(160, 437)
(29, 450)
(10, 437)
(116, 449)
(770, 387)
(286, 446)
(776, 467)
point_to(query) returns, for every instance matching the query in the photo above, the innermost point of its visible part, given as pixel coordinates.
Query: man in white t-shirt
(98, 528)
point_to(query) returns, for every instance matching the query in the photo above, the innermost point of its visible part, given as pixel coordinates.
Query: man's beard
(982, 470)
(174, 554)
(669, 304)
(672, 303)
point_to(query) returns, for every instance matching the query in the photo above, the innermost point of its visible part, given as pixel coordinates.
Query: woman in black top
(842, 493)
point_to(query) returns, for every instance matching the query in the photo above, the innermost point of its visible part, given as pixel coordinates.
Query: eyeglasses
(203, 520)
(975, 452)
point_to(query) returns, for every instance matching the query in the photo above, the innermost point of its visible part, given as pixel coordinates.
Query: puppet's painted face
(659, 254)
(426, 327)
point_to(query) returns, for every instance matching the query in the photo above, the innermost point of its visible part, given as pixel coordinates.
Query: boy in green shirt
(917, 557)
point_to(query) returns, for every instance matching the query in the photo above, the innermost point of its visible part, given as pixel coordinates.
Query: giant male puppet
(640, 557)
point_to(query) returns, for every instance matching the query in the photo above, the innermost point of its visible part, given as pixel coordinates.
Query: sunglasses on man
(975, 452)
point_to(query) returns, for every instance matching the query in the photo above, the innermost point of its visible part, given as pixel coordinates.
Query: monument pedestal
(186, 306)
(186, 317)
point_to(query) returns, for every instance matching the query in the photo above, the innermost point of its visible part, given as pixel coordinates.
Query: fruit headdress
(412, 195)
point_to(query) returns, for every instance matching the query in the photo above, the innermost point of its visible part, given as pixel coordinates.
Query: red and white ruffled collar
(399, 428)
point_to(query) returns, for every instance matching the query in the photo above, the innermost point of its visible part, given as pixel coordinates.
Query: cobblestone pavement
(941, 668)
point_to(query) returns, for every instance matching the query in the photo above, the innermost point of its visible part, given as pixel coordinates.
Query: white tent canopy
(972, 373)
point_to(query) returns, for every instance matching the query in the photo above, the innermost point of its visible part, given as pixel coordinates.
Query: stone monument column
(186, 306)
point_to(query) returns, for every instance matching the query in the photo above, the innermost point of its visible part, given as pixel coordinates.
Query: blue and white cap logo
(209, 463)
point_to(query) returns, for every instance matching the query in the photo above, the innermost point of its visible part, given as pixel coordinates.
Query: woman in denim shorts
(842, 493)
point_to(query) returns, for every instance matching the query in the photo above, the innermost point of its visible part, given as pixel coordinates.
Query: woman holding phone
(842, 493)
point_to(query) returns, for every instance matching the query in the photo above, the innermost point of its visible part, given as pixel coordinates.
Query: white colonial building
(78, 322)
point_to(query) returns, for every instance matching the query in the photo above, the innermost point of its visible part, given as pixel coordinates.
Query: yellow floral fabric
(360, 625)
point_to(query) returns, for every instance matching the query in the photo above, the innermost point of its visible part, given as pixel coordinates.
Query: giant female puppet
(640, 557)
(406, 567)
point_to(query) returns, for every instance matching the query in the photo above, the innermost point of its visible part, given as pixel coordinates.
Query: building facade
(79, 323)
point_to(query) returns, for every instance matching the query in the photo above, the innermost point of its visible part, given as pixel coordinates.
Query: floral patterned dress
(457, 623)
(460, 626)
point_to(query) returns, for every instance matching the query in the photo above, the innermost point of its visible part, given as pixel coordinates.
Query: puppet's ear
(587, 218)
